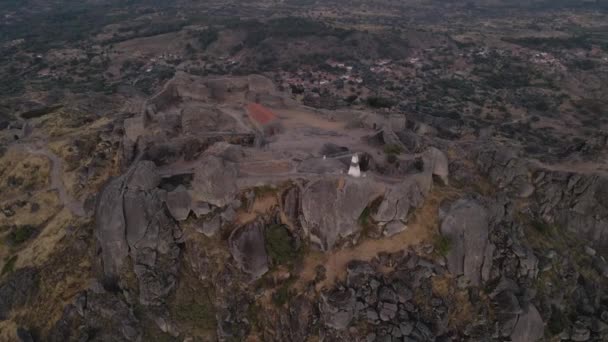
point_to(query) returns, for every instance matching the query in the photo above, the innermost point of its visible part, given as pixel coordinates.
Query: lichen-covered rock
(338, 308)
(575, 202)
(290, 204)
(179, 203)
(331, 208)
(17, 289)
(529, 326)
(466, 226)
(248, 248)
(436, 163)
(402, 199)
(103, 316)
(111, 227)
(132, 219)
(215, 181)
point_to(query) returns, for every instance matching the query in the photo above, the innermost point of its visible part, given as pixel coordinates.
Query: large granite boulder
(132, 220)
(466, 226)
(565, 199)
(402, 199)
(529, 326)
(436, 163)
(215, 181)
(179, 203)
(111, 227)
(576, 202)
(338, 308)
(290, 204)
(96, 315)
(248, 248)
(331, 208)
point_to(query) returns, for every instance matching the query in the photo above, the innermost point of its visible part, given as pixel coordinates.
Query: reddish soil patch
(260, 114)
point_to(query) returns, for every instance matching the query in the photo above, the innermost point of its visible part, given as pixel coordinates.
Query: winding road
(75, 206)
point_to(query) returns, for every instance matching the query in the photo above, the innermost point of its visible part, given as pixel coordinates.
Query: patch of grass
(20, 234)
(442, 245)
(280, 245)
(391, 158)
(253, 314)
(393, 149)
(543, 227)
(200, 314)
(365, 220)
(283, 294)
(558, 321)
(9, 265)
(264, 190)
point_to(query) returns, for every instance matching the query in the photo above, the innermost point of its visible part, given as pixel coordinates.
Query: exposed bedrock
(132, 220)
(466, 226)
(576, 201)
(248, 249)
(332, 206)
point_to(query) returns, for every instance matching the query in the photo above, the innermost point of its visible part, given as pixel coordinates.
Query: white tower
(354, 167)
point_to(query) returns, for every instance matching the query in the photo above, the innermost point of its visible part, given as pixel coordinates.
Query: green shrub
(442, 245)
(202, 315)
(207, 37)
(261, 191)
(380, 102)
(280, 245)
(542, 227)
(364, 218)
(283, 295)
(20, 235)
(392, 149)
(9, 265)
(558, 321)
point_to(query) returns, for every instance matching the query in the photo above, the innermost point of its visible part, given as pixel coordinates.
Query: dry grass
(191, 306)
(65, 271)
(38, 251)
(262, 205)
(421, 229)
(21, 173)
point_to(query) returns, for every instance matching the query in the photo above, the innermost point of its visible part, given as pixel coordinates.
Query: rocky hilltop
(196, 220)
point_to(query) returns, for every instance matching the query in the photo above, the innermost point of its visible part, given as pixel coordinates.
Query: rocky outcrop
(331, 208)
(17, 289)
(291, 204)
(436, 163)
(385, 302)
(505, 170)
(569, 200)
(529, 326)
(111, 227)
(576, 202)
(248, 248)
(466, 226)
(99, 315)
(402, 199)
(215, 181)
(338, 308)
(132, 220)
(179, 203)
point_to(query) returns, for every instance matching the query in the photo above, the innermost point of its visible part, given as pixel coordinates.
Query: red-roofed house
(263, 118)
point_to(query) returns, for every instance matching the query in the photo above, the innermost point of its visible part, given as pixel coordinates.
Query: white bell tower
(354, 167)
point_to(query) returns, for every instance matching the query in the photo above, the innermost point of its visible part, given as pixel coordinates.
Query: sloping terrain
(179, 171)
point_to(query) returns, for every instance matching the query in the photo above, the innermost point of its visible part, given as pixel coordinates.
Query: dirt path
(74, 205)
(420, 230)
